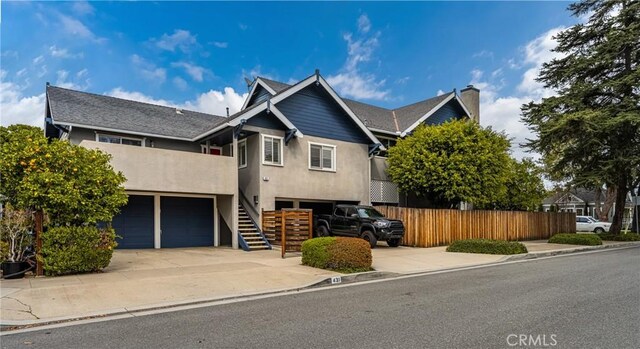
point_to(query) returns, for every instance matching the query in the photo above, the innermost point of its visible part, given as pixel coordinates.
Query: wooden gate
(288, 228)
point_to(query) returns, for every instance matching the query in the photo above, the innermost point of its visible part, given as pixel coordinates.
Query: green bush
(576, 239)
(70, 250)
(346, 255)
(619, 237)
(487, 246)
(4, 251)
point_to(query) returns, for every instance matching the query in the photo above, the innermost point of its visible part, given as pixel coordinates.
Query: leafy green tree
(524, 187)
(458, 161)
(589, 133)
(71, 184)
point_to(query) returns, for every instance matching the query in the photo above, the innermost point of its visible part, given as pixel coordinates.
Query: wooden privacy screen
(435, 227)
(288, 228)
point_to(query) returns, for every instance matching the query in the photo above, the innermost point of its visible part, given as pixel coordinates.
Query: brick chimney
(471, 98)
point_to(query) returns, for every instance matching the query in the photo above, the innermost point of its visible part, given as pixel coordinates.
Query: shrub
(487, 246)
(347, 255)
(4, 251)
(576, 239)
(69, 250)
(619, 237)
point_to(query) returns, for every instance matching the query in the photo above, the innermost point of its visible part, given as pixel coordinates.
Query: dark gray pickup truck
(360, 221)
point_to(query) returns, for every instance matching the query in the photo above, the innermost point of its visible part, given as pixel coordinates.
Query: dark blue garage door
(135, 223)
(186, 222)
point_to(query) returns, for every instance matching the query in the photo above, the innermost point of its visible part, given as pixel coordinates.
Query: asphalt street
(589, 300)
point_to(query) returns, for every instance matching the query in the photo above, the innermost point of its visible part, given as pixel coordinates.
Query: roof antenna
(227, 111)
(48, 84)
(454, 91)
(249, 82)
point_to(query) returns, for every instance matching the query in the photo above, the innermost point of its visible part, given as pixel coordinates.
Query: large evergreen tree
(589, 133)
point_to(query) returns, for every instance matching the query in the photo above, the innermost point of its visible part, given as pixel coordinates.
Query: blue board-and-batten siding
(450, 111)
(267, 121)
(314, 112)
(259, 95)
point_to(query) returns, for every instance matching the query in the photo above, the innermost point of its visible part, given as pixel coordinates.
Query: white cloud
(180, 83)
(220, 44)
(364, 24)
(62, 80)
(82, 8)
(181, 39)
(21, 72)
(82, 73)
(77, 29)
(242, 26)
(63, 53)
(148, 70)
(404, 80)
(195, 72)
(38, 60)
(440, 93)
(16, 108)
(211, 102)
(352, 81)
(502, 112)
(257, 71)
(537, 52)
(483, 54)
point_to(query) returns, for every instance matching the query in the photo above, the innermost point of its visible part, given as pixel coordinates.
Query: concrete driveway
(138, 279)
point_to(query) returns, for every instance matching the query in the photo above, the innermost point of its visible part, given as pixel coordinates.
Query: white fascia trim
(251, 113)
(285, 121)
(253, 89)
(266, 87)
(353, 116)
(397, 134)
(293, 89)
(425, 116)
(100, 128)
(464, 107)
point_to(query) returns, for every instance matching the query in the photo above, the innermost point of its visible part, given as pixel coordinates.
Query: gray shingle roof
(378, 117)
(75, 107)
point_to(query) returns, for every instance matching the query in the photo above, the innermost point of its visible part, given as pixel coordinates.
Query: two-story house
(196, 179)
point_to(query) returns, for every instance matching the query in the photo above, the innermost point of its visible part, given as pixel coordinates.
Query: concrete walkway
(144, 279)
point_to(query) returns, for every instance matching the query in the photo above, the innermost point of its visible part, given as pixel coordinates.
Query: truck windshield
(369, 212)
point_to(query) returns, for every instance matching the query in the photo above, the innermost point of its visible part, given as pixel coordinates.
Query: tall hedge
(70, 250)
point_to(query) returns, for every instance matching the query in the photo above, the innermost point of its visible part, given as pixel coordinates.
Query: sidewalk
(146, 279)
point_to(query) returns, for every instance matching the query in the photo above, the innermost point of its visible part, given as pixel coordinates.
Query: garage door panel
(134, 223)
(186, 222)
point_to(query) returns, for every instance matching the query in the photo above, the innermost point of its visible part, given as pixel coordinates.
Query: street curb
(6, 327)
(534, 255)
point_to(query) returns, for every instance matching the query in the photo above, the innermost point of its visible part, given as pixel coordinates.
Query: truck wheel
(322, 231)
(598, 230)
(370, 238)
(393, 242)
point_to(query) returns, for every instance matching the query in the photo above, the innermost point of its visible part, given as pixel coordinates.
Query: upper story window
(322, 157)
(104, 138)
(242, 153)
(272, 150)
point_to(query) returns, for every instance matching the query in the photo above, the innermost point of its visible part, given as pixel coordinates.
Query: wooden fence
(435, 227)
(297, 227)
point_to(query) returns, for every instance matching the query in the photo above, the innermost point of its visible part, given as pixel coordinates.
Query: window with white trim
(322, 157)
(242, 153)
(272, 150)
(119, 140)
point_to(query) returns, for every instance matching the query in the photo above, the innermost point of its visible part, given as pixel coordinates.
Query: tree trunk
(621, 198)
(39, 217)
(602, 211)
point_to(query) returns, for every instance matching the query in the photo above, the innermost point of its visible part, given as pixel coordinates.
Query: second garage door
(186, 222)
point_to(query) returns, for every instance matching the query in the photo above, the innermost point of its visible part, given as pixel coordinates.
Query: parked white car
(586, 223)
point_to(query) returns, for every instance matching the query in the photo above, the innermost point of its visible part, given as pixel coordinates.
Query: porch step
(249, 235)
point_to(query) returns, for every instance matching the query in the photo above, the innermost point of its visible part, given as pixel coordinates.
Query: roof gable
(315, 113)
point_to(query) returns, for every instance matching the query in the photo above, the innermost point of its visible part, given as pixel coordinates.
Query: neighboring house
(194, 179)
(583, 203)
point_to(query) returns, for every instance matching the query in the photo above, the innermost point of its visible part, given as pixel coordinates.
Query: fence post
(283, 232)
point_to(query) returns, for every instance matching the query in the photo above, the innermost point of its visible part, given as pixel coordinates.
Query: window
(272, 150)
(242, 153)
(213, 150)
(340, 212)
(118, 140)
(322, 157)
(351, 211)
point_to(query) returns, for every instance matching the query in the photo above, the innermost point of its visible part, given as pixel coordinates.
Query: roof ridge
(395, 120)
(444, 95)
(134, 101)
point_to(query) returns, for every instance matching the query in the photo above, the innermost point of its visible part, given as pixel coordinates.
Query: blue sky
(195, 54)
